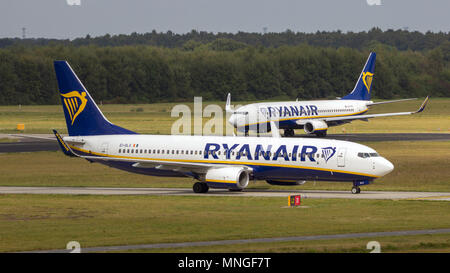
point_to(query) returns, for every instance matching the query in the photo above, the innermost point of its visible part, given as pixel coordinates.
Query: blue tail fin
(83, 117)
(364, 83)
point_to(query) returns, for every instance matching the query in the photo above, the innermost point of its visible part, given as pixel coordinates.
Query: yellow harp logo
(367, 79)
(75, 103)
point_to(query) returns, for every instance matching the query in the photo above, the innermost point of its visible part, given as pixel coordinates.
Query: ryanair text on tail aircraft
(313, 116)
(215, 161)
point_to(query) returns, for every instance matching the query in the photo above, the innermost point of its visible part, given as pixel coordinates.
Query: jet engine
(318, 127)
(228, 177)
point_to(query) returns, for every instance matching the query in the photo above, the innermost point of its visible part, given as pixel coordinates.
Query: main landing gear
(200, 187)
(289, 132)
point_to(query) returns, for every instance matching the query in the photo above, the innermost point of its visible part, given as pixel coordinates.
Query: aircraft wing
(173, 165)
(389, 101)
(365, 117)
(178, 166)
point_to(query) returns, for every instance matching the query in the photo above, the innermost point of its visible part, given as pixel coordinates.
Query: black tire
(289, 132)
(356, 190)
(200, 187)
(321, 133)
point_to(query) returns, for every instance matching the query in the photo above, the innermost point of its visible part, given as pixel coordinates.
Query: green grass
(419, 166)
(32, 222)
(400, 244)
(436, 243)
(156, 119)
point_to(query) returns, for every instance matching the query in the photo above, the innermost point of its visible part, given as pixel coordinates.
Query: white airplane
(314, 117)
(215, 161)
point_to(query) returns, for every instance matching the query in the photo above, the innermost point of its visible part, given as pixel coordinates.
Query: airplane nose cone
(384, 167)
(233, 120)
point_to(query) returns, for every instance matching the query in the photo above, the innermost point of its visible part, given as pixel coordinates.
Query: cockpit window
(367, 155)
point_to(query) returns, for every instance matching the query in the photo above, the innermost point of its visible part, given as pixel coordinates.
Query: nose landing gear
(356, 190)
(358, 183)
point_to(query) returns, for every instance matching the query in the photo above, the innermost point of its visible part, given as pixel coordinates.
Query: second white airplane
(315, 117)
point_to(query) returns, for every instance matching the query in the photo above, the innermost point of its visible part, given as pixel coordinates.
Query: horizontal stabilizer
(63, 145)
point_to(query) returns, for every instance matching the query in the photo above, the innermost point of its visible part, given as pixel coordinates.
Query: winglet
(422, 107)
(228, 104)
(63, 145)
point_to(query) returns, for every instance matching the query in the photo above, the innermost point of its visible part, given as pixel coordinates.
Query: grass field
(410, 244)
(31, 222)
(418, 167)
(156, 118)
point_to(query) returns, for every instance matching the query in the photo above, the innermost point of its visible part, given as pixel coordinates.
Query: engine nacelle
(227, 177)
(315, 126)
(285, 183)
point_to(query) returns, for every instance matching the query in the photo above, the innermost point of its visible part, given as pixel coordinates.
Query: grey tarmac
(381, 195)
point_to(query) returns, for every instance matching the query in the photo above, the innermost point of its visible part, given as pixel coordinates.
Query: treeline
(400, 39)
(147, 74)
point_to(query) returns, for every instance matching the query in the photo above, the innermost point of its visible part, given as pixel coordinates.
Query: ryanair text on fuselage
(291, 111)
(262, 153)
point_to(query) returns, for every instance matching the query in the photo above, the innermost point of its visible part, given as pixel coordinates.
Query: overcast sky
(57, 19)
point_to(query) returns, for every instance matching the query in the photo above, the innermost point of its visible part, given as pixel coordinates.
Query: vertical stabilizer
(364, 84)
(83, 117)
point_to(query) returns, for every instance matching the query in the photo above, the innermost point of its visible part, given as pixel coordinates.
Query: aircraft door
(341, 157)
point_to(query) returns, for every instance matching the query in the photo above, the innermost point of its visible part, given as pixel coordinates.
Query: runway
(28, 143)
(46, 142)
(381, 195)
